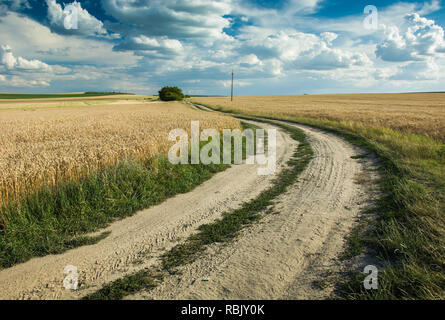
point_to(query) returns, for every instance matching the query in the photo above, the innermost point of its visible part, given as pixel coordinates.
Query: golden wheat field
(43, 145)
(31, 104)
(417, 113)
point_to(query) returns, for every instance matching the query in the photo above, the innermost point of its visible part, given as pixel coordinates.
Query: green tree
(171, 94)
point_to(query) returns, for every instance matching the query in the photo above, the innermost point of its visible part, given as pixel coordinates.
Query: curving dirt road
(136, 242)
(282, 257)
(278, 258)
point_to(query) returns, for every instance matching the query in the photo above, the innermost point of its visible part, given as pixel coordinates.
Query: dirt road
(289, 252)
(137, 241)
(278, 258)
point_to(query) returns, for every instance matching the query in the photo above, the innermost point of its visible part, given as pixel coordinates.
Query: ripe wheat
(40, 147)
(417, 113)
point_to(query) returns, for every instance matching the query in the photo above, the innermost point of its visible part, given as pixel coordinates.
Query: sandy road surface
(136, 242)
(282, 256)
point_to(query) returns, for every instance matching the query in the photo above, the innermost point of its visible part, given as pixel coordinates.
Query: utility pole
(231, 95)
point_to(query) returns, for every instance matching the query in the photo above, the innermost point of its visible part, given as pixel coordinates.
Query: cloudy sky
(274, 47)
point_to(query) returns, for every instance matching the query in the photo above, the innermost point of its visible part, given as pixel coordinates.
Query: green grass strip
(53, 220)
(48, 96)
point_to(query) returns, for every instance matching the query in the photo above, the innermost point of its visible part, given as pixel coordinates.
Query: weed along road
(293, 243)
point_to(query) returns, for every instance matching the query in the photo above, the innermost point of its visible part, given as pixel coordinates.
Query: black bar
(244, 309)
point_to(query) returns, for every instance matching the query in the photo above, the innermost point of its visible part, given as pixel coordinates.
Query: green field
(52, 95)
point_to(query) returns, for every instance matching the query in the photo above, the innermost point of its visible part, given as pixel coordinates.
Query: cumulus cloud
(239, 83)
(298, 50)
(86, 23)
(328, 59)
(160, 47)
(418, 70)
(421, 38)
(21, 72)
(430, 7)
(77, 63)
(29, 37)
(15, 81)
(16, 4)
(10, 62)
(250, 60)
(170, 18)
(329, 37)
(302, 6)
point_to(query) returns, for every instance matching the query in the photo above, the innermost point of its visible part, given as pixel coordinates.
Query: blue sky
(274, 47)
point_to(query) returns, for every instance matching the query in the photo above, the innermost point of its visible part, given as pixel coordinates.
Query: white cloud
(152, 46)
(7, 58)
(302, 6)
(170, 18)
(418, 70)
(430, 7)
(16, 4)
(239, 83)
(10, 62)
(68, 56)
(20, 82)
(420, 39)
(24, 64)
(329, 37)
(299, 50)
(250, 60)
(29, 37)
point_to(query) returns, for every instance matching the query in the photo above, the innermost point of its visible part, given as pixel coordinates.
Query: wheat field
(43, 145)
(417, 113)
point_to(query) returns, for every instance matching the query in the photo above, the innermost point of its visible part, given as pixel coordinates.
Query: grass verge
(62, 95)
(221, 231)
(52, 221)
(409, 233)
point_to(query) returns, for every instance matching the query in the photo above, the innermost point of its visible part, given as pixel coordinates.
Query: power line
(231, 94)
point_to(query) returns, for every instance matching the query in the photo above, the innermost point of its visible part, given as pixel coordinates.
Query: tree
(171, 94)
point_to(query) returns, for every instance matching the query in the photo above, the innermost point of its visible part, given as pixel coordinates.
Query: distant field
(418, 113)
(62, 101)
(64, 95)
